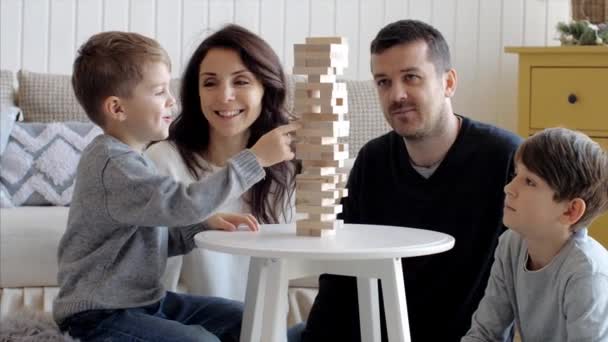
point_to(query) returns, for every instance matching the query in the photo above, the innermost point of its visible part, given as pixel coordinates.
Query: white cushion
(28, 245)
(29, 237)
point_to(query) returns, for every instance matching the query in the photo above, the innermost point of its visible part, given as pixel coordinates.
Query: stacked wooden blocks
(321, 103)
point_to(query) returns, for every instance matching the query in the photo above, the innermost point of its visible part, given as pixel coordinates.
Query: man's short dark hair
(410, 31)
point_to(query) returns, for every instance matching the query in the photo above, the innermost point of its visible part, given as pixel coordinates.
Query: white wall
(43, 35)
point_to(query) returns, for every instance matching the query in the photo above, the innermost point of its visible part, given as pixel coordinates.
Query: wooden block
(315, 186)
(321, 78)
(338, 54)
(309, 153)
(302, 231)
(337, 57)
(343, 170)
(319, 179)
(337, 224)
(343, 179)
(306, 48)
(322, 217)
(330, 209)
(324, 129)
(326, 40)
(319, 133)
(306, 61)
(333, 109)
(322, 163)
(299, 70)
(329, 125)
(304, 93)
(322, 232)
(304, 147)
(343, 192)
(328, 87)
(319, 171)
(316, 201)
(322, 117)
(327, 194)
(341, 155)
(318, 140)
(321, 101)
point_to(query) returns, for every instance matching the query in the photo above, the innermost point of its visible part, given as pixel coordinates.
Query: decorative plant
(583, 32)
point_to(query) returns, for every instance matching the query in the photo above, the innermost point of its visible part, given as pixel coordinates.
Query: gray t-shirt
(114, 251)
(567, 300)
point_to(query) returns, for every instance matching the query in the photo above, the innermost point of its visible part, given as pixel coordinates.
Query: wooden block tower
(321, 103)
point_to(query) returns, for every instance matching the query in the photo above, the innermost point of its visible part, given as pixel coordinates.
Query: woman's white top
(205, 272)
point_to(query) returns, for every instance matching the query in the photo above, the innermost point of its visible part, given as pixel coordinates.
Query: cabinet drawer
(599, 228)
(571, 97)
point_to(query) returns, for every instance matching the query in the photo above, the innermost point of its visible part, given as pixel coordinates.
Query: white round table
(368, 252)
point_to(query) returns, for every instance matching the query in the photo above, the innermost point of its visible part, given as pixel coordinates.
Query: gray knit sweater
(567, 300)
(114, 251)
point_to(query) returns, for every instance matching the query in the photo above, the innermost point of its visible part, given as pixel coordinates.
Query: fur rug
(30, 326)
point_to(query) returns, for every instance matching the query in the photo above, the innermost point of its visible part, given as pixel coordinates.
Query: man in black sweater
(436, 170)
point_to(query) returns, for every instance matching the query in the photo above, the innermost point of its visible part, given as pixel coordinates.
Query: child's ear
(574, 211)
(113, 108)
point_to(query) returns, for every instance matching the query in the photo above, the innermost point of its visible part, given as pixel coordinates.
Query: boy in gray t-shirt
(114, 251)
(549, 279)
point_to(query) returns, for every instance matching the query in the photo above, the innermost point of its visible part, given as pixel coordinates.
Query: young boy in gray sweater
(549, 279)
(114, 251)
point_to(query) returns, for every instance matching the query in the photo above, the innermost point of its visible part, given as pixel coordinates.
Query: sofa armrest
(28, 247)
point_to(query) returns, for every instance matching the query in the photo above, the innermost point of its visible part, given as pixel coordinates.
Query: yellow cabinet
(571, 97)
(599, 229)
(567, 87)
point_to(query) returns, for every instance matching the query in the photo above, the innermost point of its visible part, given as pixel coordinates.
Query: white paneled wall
(43, 35)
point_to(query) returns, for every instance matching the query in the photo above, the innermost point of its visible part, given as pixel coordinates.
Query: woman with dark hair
(233, 91)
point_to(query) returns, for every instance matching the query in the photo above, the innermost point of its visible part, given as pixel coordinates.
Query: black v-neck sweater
(463, 197)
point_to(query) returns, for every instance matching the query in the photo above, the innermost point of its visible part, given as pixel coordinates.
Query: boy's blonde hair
(573, 165)
(111, 64)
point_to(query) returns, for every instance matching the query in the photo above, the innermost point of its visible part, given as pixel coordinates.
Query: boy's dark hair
(409, 31)
(573, 165)
(111, 64)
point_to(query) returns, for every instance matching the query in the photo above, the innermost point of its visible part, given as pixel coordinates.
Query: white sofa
(29, 235)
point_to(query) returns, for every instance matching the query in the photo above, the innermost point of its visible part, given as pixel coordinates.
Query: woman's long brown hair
(190, 130)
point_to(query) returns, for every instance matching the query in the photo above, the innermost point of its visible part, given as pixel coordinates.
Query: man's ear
(113, 108)
(451, 80)
(574, 211)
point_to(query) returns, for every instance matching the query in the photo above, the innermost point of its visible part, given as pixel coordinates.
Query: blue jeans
(177, 317)
(294, 334)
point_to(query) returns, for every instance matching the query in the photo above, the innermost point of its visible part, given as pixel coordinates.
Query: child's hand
(230, 222)
(275, 146)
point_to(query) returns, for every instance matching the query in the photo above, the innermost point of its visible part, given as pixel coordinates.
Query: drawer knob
(572, 99)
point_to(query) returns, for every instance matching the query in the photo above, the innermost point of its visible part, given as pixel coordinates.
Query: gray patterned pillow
(290, 85)
(365, 115)
(7, 90)
(48, 98)
(39, 164)
(174, 86)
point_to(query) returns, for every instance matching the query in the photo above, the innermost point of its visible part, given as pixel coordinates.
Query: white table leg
(251, 328)
(369, 309)
(395, 307)
(274, 328)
